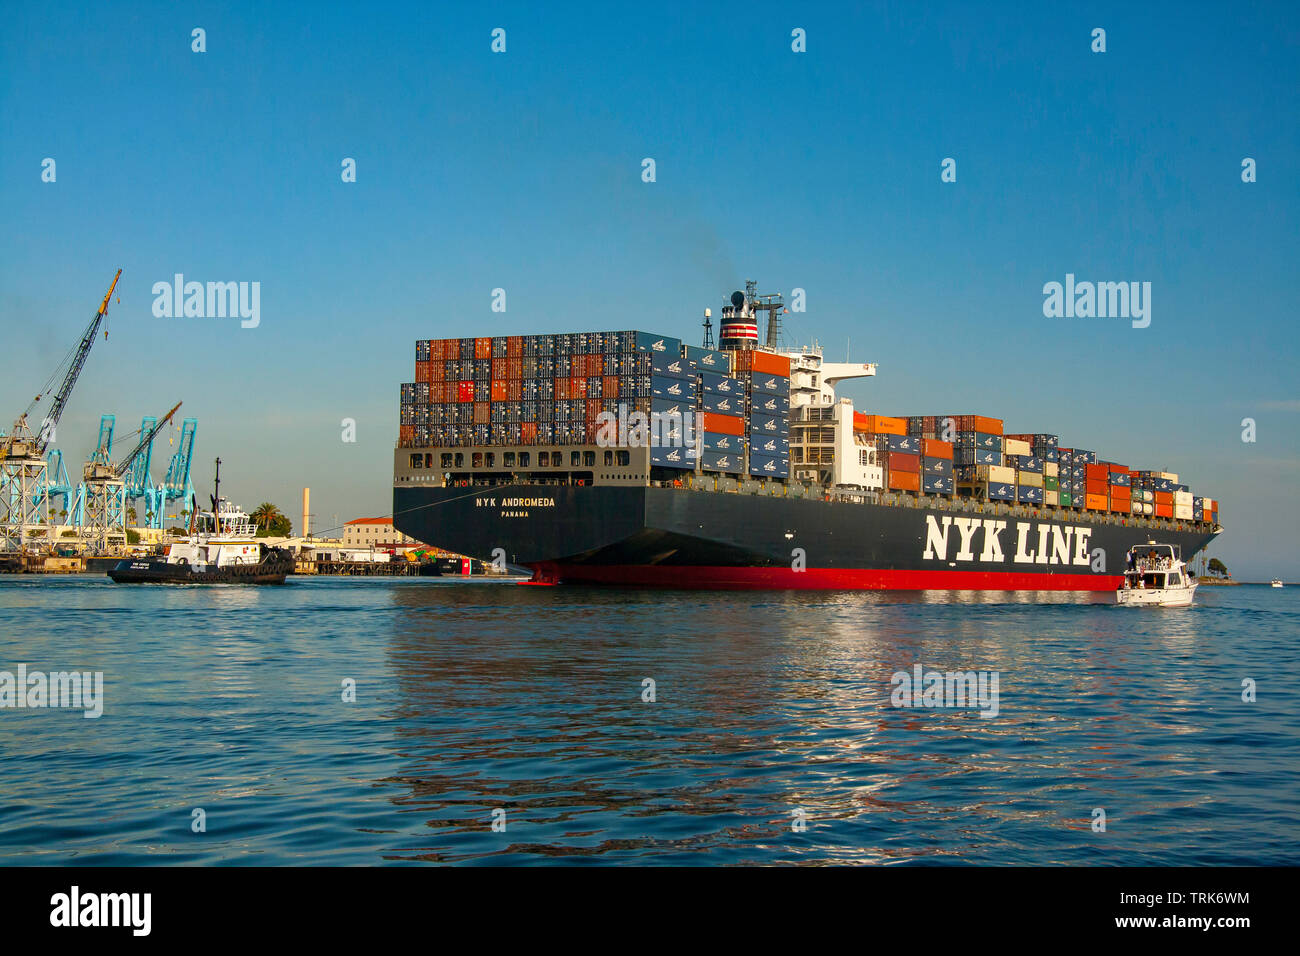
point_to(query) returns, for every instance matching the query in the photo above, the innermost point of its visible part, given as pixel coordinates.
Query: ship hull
(687, 538)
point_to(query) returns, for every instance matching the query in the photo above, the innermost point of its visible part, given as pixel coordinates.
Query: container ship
(630, 458)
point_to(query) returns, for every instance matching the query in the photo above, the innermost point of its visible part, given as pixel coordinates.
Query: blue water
(477, 696)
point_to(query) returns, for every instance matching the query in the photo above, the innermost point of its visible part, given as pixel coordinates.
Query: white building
(373, 533)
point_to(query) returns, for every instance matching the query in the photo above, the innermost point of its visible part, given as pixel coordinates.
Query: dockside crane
(24, 471)
(105, 490)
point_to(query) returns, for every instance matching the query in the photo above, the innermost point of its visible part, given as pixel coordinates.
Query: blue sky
(522, 170)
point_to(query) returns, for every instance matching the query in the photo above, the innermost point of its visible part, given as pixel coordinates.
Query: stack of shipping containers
(551, 389)
(764, 378)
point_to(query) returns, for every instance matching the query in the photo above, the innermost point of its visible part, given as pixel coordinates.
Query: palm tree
(265, 515)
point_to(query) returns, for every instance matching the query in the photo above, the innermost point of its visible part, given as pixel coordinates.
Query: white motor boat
(1155, 576)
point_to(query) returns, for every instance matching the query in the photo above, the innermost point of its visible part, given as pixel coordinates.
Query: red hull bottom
(818, 579)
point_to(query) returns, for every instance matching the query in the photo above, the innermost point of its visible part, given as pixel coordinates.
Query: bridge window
(508, 459)
(524, 458)
(588, 459)
(543, 459)
(417, 461)
(624, 458)
(609, 458)
(477, 459)
(460, 459)
(575, 459)
(446, 459)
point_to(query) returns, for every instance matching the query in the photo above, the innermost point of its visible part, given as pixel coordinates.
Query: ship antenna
(708, 329)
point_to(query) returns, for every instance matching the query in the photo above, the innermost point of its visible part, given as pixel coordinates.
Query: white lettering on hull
(1044, 543)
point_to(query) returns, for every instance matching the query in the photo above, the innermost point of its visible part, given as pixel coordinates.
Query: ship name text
(1041, 544)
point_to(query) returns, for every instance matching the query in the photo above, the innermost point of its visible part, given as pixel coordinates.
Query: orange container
(482, 413)
(406, 434)
(769, 364)
(577, 387)
(934, 448)
(610, 386)
(989, 426)
(904, 480)
(528, 432)
(1164, 511)
(561, 389)
(884, 425)
(859, 422)
(723, 424)
(1165, 498)
(422, 371)
(514, 390)
(437, 372)
(1095, 502)
(594, 408)
(483, 348)
(1097, 472)
(1118, 469)
(499, 391)
(514, 346)
(1094, 487)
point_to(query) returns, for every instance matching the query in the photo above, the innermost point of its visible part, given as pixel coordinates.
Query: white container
(995, 473)
(1051, 469)
(1029, 479)
(1183, 498)
(1051, 497)
(1012, 446)
(1183, 511)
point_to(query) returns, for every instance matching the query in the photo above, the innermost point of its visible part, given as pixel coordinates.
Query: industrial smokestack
(306, 501)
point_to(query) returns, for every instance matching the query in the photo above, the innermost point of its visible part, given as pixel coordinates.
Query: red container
(1165, 498)
(528, 433)
(610, 386)
(577, 388)
(514, 346)
(464, 391)
(1094, 487)
(1164, 511)
(514, 390)
(1119, 469)
(902, 461)
(723, 424)
(499, 392)
(561, 389)
(483, 348)
(1098, 472)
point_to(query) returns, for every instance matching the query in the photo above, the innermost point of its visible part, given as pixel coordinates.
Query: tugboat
(1155, 576)
(222, 548)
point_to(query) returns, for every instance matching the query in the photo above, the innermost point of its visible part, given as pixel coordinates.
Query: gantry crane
(105, 488)
(24, 471)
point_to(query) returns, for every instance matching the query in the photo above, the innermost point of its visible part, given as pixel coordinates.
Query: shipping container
(941, 467)
(984, 440)
(1096, 502)
(724, 424)
(670, 366)
(722, 404)
(901, 461)
(771, 384)
(880, 424)
(1029, 494)
(1030, 479)
(937, 484)
(729, 462)
(904, 480)
(759, 361)
(770, 424)
(769, 404)
(707, 360)
(772, 466)
(722, 442)
(1026, 463)
(934, 448)
(720, 384)
(1014, 446)
(672, 388)
(771, 445)
(665, 457)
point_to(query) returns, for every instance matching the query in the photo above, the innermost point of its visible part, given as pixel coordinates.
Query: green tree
(1217, 568)
(264, 515)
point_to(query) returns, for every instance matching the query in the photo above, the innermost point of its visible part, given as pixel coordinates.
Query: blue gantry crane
(176, 485)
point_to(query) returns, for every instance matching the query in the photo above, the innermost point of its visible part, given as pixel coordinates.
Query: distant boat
(1155, 576)
(1276, 582)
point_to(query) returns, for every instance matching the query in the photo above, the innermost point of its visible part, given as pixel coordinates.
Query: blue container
(940, 467)
(1164, 484)
(1182, 487)
(649, 342)
(1198, 514)
(669, 407)
(677, 389)
(727, 461)
(1029, 463)
(670, 366)
(667, 430)
(769, 404)
(771, 384)
(1001, 491)
(1048, 454)
(723, 404)
(1084, 457)
(938, 484)
(1119, 478)
(976, 456)
(776, 446)
(1029, 494)
(1198, 502)
(1047, 441)
(979, 440)
(720, 384)
(675, 457)
(716, 441)
(771, 466)
(769, 424)
(908, 443)
(707, 360)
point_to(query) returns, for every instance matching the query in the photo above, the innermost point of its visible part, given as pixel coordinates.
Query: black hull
(157, 571)
(686, 538)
